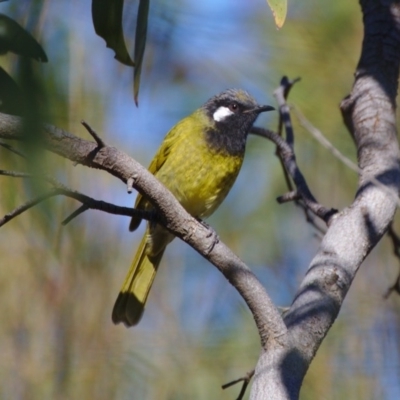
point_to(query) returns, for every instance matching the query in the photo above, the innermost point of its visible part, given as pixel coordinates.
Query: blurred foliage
(58, 284)
(15, 39)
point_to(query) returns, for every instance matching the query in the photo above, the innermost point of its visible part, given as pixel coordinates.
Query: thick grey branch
(369, 113)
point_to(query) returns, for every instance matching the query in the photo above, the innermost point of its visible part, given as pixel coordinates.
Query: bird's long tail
(130, 302)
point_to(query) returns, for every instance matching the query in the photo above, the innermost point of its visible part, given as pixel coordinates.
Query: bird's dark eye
(234, 107)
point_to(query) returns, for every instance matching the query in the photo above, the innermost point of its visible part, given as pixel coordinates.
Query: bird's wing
(171, 140)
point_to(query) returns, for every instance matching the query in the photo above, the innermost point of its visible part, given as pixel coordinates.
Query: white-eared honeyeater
(198, 161)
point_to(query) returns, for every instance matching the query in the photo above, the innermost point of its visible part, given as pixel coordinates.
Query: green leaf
(107, 21)
(11, 101)
(16, 39)
(279, 10)
(140, 44)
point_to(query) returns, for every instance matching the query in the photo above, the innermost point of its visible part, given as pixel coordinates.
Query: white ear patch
(221, 113)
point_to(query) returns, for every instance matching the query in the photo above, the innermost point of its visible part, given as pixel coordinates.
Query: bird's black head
(232, 113)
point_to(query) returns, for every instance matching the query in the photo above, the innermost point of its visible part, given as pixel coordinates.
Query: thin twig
(289, 196)
(245, 379)
(317, 134)
(310, 218)
(281, 94)
(101, 205)
(15, 174)
(285, 152)
(100, 142)
(12, 149)
(77, 212)
(289, 161)
(26, 206)
(87, 202)
(286, 176)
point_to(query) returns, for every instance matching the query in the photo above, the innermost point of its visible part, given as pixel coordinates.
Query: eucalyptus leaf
(107, 21)
(16, 39)
(140, 44)
(10, 95)
(279, 10)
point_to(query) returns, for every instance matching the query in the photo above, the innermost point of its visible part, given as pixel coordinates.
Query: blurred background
(58, 284)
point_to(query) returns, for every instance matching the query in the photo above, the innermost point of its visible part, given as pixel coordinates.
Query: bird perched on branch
(198, 161)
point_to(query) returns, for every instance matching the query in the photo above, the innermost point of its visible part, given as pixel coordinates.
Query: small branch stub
(245, 379)
(93, 133)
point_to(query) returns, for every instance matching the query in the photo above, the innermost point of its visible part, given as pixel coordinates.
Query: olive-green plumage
(198, 161)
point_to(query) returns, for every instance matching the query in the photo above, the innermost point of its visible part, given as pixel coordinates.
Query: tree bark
(369, 114)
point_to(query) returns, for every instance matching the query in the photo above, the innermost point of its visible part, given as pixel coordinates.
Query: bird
(198, 161)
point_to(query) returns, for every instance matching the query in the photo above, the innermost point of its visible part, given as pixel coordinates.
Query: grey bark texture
(369, 114)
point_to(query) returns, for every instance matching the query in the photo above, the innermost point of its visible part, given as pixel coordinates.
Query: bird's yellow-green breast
(198, 174)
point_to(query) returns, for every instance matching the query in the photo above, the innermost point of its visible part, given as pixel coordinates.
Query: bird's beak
(261, 109)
